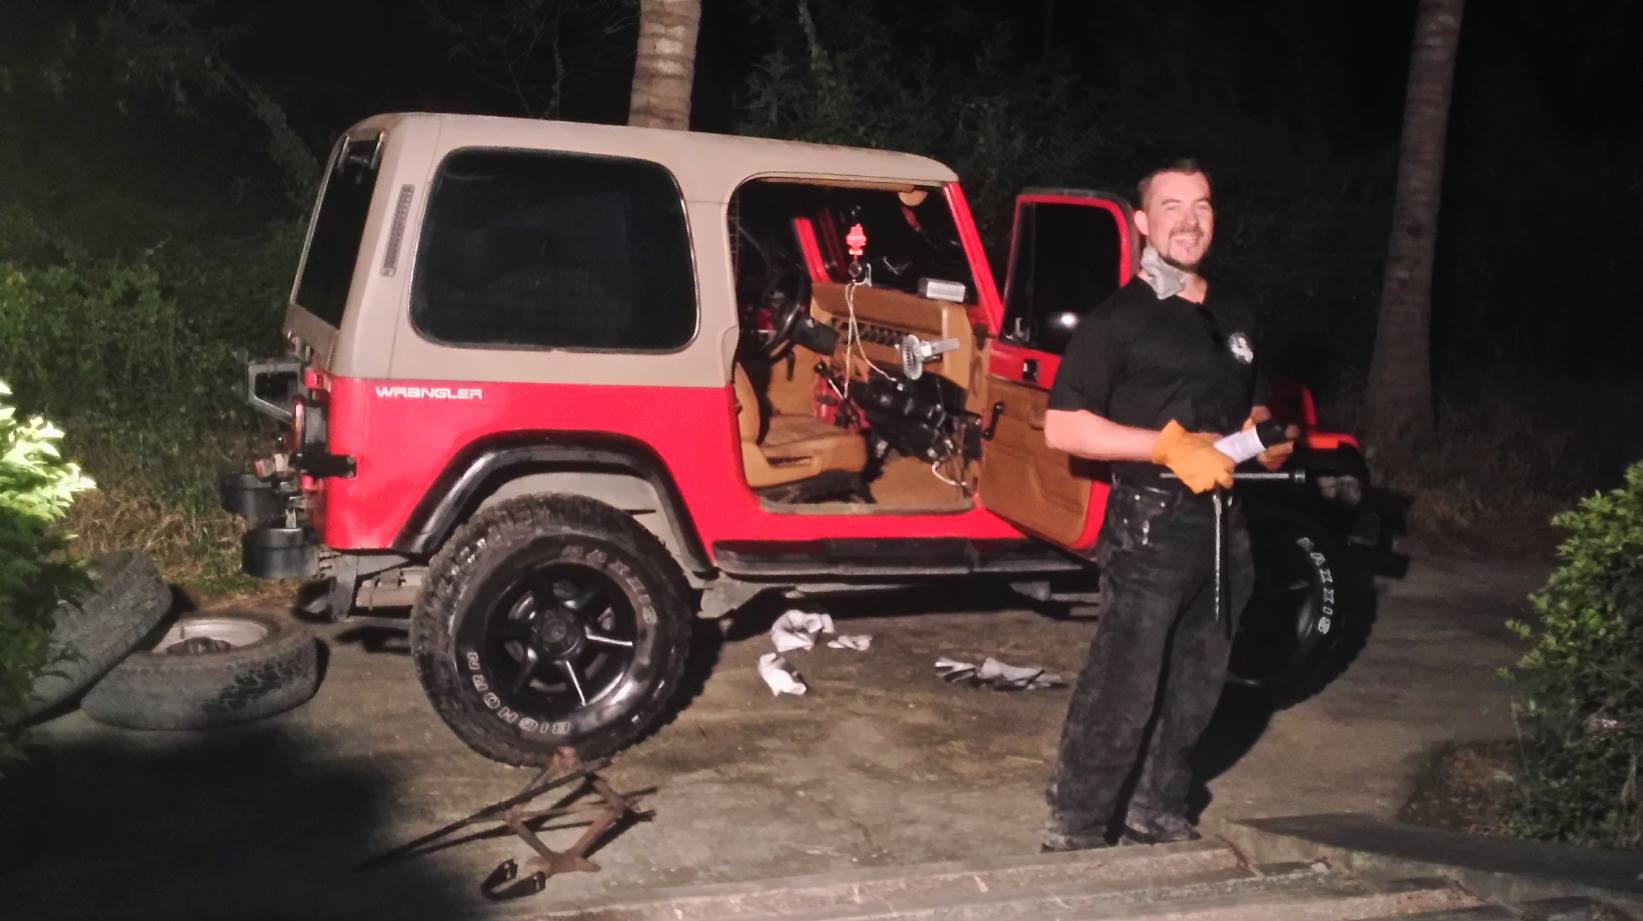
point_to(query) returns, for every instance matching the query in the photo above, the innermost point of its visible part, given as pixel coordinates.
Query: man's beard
(1190, 268)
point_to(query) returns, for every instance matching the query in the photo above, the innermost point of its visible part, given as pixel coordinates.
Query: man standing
(1150, 379)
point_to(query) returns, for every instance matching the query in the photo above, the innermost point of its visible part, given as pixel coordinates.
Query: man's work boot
(1057, 841)
(1158, 829)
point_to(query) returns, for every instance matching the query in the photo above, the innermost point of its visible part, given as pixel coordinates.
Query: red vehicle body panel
(400, 447)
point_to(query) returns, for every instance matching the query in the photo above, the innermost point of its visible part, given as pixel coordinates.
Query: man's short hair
(1184, 165)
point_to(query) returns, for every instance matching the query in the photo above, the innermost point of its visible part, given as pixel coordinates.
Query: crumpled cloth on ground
(780, 675)
(795, 630)
(798, 629)
(1000, 676)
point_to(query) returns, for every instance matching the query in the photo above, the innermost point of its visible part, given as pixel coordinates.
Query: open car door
(1069, 250)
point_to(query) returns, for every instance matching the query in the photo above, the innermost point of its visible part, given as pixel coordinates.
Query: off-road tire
(168, 690)
(128, 600)
(1337, 600)
(497, 547)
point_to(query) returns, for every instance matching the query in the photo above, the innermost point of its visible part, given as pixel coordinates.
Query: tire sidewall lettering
(1323, 590)
(631, 580)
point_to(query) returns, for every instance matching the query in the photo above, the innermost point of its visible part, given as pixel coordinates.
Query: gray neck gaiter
(1165, 279)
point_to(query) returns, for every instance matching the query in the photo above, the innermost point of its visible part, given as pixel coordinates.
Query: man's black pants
(1157, 663)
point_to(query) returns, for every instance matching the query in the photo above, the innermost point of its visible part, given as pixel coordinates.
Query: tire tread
(157, 690)
(128, 602)
(499, 526)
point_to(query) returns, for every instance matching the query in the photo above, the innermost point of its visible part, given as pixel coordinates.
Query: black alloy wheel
(560, 637)
(549, 621)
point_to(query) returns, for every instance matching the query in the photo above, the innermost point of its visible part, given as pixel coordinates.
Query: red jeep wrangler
(563, 387)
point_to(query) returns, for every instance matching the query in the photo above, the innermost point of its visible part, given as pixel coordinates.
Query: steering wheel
(787, 298)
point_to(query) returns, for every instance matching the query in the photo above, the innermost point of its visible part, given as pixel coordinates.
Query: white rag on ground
(798, 629)
(998, 675)
(780, 675)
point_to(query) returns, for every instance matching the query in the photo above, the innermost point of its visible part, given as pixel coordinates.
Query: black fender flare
(485, 464)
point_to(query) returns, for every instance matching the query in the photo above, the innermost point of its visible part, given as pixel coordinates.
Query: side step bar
(889, 558)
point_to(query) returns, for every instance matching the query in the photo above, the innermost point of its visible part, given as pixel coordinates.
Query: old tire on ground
(1309, 615)
(128, 600)
(551, 621)
(210, 668)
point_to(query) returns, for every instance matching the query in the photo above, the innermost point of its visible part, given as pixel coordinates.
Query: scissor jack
(515, 814)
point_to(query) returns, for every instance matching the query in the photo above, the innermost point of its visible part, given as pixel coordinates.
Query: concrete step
(1126, 867)
(1065, 900)
(1202, 881)
(1554, 909)
(1302, 894)
(1330, 897)
(1487, 912)
(1566, 908)
(1506, 870)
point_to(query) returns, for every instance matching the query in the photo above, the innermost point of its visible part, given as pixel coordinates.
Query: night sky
(1544, 132)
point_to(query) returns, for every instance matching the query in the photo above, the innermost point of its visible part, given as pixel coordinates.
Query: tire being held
(1310, 613)
(128, 600)
(550, 621)
(209, 669)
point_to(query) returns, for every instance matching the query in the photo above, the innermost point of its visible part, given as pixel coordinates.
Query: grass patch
(1466, 788)
(157, 492)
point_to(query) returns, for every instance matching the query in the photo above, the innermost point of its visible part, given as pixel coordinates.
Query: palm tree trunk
(666, 64)
(1399, 405)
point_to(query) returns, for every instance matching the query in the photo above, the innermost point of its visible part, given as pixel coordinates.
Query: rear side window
(334, 241)
(553, 250)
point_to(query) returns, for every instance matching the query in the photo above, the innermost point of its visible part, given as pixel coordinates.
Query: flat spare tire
(128, 599)
(210, 668)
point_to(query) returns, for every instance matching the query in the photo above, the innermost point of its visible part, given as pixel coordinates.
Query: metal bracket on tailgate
(260, 371)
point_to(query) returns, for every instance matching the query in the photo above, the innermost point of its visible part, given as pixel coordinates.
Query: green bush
(134, 354)
(36, 488)
(1580, 686)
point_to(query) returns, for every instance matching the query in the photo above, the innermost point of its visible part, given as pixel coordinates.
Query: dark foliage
(1580, 687)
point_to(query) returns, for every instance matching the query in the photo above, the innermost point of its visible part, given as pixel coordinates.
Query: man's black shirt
(1141, 361)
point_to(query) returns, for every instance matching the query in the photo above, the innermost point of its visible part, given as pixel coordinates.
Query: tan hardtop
(708, 167)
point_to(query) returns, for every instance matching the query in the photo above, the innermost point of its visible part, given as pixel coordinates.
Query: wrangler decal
(399, 392)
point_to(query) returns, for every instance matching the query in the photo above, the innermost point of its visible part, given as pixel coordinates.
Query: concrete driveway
(880, 764)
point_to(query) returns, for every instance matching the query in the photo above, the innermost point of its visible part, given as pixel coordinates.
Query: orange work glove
(1192, 458)
(1272, 458)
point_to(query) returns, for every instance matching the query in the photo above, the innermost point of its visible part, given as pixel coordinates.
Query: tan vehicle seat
(789, 447)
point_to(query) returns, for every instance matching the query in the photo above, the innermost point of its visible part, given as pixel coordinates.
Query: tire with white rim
(209, 669)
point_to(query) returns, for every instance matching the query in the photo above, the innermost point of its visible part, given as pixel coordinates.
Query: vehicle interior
(857, 375)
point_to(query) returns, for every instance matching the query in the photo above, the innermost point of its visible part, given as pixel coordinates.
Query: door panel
(1069, 251)
(1045, 493)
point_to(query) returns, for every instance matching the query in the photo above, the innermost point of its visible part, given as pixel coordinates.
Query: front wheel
(1309, 614)
(551, 621)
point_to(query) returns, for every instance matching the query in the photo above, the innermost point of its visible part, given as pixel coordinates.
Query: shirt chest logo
(1241, 348)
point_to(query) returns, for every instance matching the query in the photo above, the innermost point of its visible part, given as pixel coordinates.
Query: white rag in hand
(856, 641)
